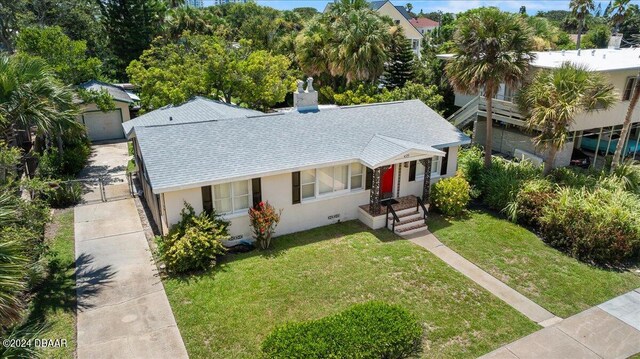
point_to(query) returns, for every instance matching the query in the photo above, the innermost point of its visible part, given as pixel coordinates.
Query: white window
(231, 197)
(308, 183)
(357, 176)
(435, 166)
(419, 170)
(327, 180)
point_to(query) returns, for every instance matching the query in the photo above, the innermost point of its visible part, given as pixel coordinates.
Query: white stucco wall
(297, 217)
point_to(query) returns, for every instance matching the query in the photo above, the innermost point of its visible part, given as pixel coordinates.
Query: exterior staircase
(410, 221)
(465, 114)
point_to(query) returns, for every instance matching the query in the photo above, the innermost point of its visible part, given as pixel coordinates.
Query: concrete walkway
(610, 330)
(518, 301)
(123, 311)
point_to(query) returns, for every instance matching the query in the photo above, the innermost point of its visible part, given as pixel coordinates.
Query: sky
(454, 6)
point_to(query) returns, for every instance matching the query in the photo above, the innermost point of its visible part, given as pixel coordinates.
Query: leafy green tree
(13, 13)
(196, 21)
(266, 79)
(400, 66)
(620, 12)
(631, 24)
(130, 27)
(364, 93)
(580, 9)
(597, 37)
(66, 58)
(171, 73)
(492, 48)
(555, 97)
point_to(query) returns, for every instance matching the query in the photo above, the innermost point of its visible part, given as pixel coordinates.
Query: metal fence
(106, 188)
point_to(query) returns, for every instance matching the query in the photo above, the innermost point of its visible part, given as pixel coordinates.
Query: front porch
(404, 216)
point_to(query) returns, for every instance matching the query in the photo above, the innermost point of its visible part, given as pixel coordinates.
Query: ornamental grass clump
(194, 243)
(451, 195)
(263, 219)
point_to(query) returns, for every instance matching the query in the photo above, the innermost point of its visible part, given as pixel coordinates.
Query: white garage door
(103, 125)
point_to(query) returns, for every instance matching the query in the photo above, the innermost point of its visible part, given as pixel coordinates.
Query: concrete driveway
(123, 311)
(107, 164)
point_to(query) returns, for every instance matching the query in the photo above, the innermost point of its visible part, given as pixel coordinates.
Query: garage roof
(116, 92)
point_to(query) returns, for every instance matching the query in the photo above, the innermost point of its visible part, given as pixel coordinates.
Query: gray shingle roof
(192, 154)
(197, 109)
(118, 93)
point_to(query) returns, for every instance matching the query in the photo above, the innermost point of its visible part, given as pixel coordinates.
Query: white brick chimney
(305, 100)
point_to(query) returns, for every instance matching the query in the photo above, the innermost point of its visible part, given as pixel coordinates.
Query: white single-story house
(319, 165)
(101, 125)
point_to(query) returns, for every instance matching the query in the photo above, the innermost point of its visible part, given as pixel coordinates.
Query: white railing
(465, 113)
(505, 111)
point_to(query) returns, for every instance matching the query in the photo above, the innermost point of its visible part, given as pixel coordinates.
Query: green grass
(131, 166)
(54, 302)
(511, 253)
(227, 312)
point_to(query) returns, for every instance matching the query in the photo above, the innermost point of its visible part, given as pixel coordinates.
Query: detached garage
(101, 125)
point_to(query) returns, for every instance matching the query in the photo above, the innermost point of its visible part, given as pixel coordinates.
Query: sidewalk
(610, 330)
(509, 295)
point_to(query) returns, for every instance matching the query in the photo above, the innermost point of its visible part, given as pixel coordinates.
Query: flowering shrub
(451, 195)
(195, 242)
(264, 219)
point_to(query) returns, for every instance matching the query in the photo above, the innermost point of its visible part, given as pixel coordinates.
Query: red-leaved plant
(264, 219)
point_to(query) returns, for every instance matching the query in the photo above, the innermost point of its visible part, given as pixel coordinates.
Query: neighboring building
(590, 131)
(102, 126)
(195, 3)
(220, 2)
(423, 24)
(400, 17)
(319, 165)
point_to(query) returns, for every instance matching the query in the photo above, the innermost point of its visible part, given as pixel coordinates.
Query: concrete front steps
(411, 221)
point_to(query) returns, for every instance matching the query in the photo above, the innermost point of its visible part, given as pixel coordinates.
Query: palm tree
(31, 96)
(620, 8)
(626, 125)
(312, 45)
(492, 48)
(12, 266)
(363, 39)
(580, 9)
(555, 97)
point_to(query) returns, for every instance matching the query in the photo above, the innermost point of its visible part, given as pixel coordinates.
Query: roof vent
(578, 52)
(563, 52)
(305, 100)
(593, 52)
(170, 118)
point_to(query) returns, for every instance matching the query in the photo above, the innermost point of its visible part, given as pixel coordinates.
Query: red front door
(386, 183)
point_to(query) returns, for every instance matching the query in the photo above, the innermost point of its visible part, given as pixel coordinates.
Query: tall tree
(130, 26)
(580, 9)
(620, 12)
(66, 58)
(492, 48)
(626, 125)
(399, 68)
(555, 97)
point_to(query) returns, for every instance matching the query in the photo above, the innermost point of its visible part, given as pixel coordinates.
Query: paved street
(123, 311)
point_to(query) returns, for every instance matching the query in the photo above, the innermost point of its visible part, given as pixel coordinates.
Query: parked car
(580, 159)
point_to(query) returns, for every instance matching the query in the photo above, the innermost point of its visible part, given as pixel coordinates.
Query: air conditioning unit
(521, 155)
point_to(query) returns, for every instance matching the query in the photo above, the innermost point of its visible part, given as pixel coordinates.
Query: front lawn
(227, 312)
(54, 302)
(511, 253)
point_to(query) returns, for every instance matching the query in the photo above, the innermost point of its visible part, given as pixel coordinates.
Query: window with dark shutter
(444, 161)
(369, 178)
(295, 187)
(256, 191)
(207, 201)
(412, 171)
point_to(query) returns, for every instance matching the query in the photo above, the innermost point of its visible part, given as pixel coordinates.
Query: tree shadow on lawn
(59, 291)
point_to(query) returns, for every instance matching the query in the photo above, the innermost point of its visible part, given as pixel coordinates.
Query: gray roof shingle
(197, 109)
(116, 92)
(192, 154)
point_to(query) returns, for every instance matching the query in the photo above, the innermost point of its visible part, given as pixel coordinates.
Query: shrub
(528, 206)
(600, 225)
(73, 160)
(369, 330)
(471, 163)
(263, 220)
(500, 183)
(195, 242)
(63, 195)
(451, 195)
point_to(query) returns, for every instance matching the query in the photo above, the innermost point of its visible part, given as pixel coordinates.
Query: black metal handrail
(395, 218)
(424, 209)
